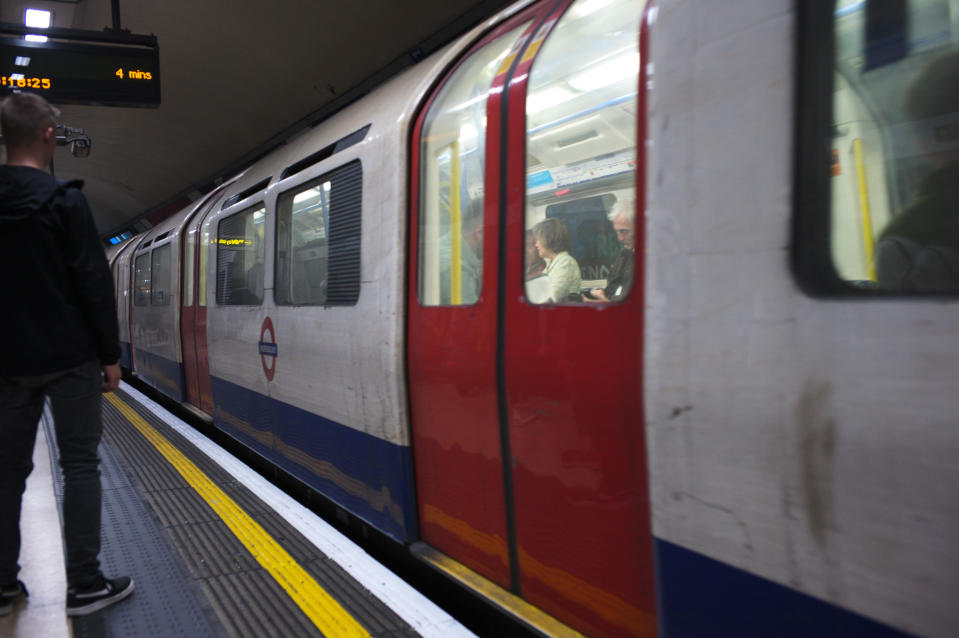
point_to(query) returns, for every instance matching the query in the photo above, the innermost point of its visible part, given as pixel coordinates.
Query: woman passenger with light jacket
(553, 244)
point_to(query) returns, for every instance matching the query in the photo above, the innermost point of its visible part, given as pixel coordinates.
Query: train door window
(160, 276)
(240, 258)
(207, 242)
(453, 163)
(318, 240)
(891, 178)
(188, 252)
(141, 279)
(581, 156)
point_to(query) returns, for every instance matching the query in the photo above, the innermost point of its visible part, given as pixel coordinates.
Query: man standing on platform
(59, 325)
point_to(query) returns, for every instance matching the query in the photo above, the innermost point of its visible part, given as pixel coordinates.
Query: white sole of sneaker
(100, 604)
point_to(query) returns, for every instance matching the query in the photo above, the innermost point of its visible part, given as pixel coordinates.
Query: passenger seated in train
(620, 278)
(552, 241)
(471, 257)
(535, 265)
(919, 250)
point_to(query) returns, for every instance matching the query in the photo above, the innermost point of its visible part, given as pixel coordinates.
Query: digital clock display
(64, 72)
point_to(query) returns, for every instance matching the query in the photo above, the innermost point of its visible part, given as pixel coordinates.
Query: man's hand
(111, 377)
(598, 296)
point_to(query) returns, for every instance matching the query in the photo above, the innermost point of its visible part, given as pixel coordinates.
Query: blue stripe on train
(700, 596)
(162, 373)
(365, 475)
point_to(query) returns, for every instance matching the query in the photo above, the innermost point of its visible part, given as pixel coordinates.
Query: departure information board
(75, 72)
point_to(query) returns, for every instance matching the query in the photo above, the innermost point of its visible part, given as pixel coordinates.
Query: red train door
(196, 362)
(498, 373)
(453, 312)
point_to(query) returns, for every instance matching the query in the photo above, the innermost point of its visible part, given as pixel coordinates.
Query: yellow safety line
(864, 208)
(327, 614)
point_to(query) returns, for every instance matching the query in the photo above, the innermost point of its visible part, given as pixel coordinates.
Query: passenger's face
(541, 248)
(624, 232)
(532, 253)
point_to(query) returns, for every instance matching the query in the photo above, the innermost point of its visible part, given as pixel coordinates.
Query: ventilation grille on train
(260, 185)
(345, 226)
(343, 143)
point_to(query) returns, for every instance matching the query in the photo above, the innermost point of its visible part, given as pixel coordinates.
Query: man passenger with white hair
(620, 278)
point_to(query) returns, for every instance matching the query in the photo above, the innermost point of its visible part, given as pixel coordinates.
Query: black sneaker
(102, 593)
(9, 595)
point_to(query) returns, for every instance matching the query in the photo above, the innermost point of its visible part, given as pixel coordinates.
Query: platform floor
(214, 549)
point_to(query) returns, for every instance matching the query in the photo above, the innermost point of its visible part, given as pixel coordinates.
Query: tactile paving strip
(165, 602)
(245, 598)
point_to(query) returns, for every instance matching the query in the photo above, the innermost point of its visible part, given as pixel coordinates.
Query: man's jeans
(76, 401)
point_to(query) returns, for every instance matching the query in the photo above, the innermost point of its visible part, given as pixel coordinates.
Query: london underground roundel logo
(268, 349)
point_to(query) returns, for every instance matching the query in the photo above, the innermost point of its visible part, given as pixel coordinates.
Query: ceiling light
(545, 98)
(35, 38)
(606, 73)
(37, 18)
(21, 60)
(468, 133)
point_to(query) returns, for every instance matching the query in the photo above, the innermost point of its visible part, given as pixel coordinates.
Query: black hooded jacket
(58, 308)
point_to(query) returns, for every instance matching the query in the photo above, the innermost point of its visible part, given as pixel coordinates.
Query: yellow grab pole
(866, 216)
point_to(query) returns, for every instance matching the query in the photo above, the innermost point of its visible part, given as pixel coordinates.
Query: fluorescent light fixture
(37, 18)
(308, 194)
(35, 38)
(17, 76)
(606, 73)
(21, 60)
(542, 100)
(468, 133)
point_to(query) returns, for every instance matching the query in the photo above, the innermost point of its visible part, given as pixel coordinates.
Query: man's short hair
(24, 117)
(623, 206)
(554, 233)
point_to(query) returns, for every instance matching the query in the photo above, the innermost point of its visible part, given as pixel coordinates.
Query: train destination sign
(119, 71)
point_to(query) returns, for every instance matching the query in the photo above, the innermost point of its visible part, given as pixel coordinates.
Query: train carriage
(122, 266)
(755, 437)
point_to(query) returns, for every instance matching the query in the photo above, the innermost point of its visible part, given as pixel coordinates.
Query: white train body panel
(156, 321)
(809, 441)
(120, 259)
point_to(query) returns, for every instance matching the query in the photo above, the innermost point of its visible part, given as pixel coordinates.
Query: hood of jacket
(24, 191)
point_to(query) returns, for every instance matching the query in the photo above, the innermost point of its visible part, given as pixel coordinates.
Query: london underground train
(757, 435)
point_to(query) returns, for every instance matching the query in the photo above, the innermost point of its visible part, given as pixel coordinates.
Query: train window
(240, 258)
(189, 239)
(453, 162)
(141, 280)
(581, 156)
(318, 240)
(206, 245)
(160, 276)
(887, 106)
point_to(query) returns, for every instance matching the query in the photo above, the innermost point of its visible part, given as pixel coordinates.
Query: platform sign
(74, 72)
